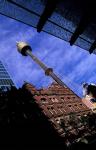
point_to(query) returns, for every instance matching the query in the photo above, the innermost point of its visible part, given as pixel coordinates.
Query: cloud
(84, 67)
(72, 64)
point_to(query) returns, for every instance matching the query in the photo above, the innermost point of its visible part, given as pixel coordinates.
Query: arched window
(53, 99)
(43, 99)
(62, 99)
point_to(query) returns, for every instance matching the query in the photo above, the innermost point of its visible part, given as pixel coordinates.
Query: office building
(5, 80)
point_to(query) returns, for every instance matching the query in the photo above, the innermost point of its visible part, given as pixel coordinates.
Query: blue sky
(72, 64)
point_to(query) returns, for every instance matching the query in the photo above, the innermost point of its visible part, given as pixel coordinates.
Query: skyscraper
(5, 80)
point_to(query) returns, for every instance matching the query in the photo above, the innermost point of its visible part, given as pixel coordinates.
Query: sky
(72, 64)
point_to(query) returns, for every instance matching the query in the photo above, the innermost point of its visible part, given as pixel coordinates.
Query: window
(60, 106)
(77, 107)
(81, 104)
(2, 69)
(54, 99)
(64, 110)
(71, 108)
(93, 100)
(50, 110)
(62, 99)
(58, 120)
(74, 97)
(60, 110)
(55, 111)
(43, 99)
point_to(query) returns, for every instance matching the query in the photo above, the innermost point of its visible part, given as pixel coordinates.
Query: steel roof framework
(62, 22)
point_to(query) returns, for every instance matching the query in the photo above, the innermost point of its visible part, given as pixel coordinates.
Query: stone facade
(58, 102)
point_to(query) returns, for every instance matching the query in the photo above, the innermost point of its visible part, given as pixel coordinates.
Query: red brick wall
(57, 102)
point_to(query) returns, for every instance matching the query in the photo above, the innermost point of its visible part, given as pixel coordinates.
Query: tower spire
(25, 50)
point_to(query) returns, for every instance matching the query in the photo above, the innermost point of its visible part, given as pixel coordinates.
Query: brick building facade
(58, 102)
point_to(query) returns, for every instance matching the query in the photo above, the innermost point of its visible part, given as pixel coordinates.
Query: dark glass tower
(5, 80)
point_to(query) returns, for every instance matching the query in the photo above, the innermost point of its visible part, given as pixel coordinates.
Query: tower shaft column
(25, 50)
(44, 67)
(48, 71)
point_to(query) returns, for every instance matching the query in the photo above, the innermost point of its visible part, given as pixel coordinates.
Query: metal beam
(84, 22)
(87, 16)
(92, 48)
(49, 9)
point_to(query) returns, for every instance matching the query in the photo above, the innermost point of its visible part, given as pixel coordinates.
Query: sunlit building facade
(5, 80)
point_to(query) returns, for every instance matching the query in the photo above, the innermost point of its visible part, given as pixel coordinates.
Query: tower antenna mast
(26, 50)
